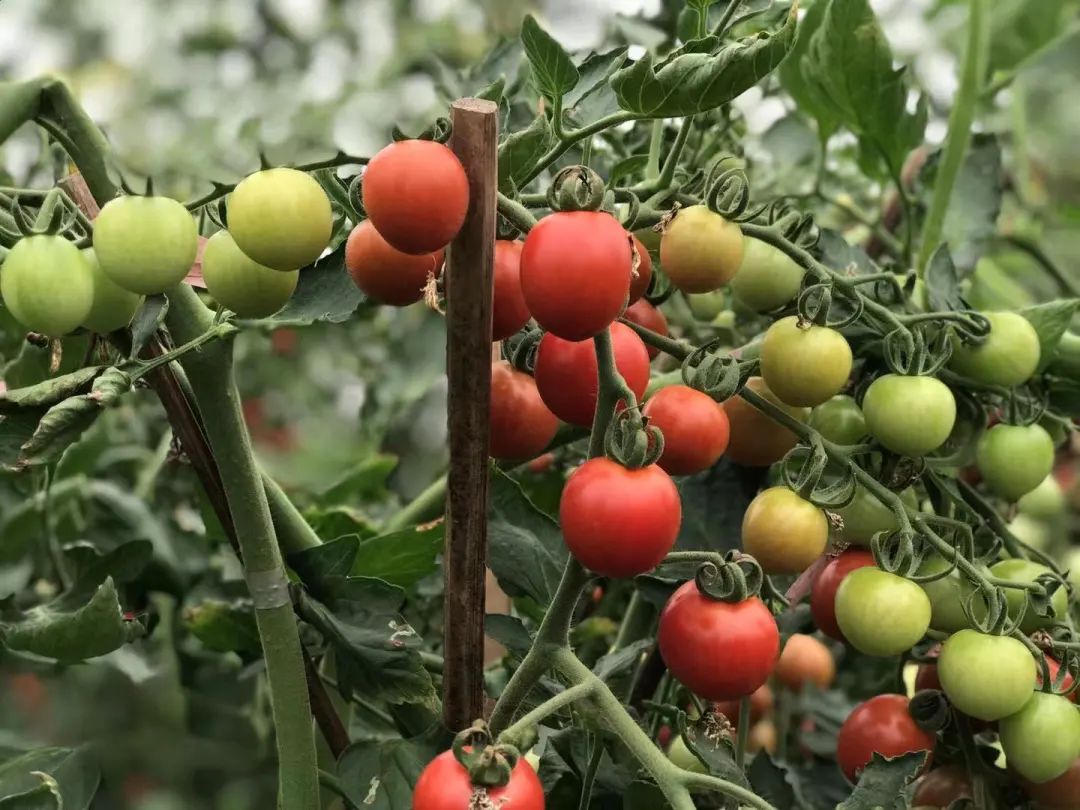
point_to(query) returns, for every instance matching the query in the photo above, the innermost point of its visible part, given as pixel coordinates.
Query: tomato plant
(384, 273)
(1061, 793)
(880, 613)
(948, 594)
(521, 425)
(445, 785)
(240, 283)
(804, 364)
(145, 244)
(882, 725)
(695, 428)
(643, 273)
(865, 515)
(700, 250)
(943, 786)
(823, 592)
(756, 439)
(988, 677)
(113, 306)
(1026, 571)
(783, 531)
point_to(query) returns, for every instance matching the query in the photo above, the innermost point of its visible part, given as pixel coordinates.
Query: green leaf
(882, 782)
(594, 98)
(794, 77)
(338, 521)
(702, 75)
(89, 568)
(611, 665)
(553, 70)
(381, 774)
(836, 252)
(774, 782)
(318, 566)
(324, 293)
(943, 281)
(147, 321)
(519, 152)
(713, 505)
(401, 558)
(364, 482)
(717, 754)
(1051, 320)
(224, 626)
(74, 772)
(46, 796)
(508, 631)
(49, 392)
(1065, 396)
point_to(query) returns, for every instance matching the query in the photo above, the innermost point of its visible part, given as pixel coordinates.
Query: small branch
(517, 214)
(333, 784)
(545, 710)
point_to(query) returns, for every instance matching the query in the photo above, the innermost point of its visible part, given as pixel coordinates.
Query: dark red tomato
(926, 676)
(445, 785)
(385, 274)
(697, 633)
(1062, 793)
(521, 424)
(943, 786)
(566, 372)
(645, 314)
(823, 591)
(639, 283)
(575, 272)
(695, 428)
(509, 312)
(882, 725)
(619, 522)
(416, 194)
(761, 706)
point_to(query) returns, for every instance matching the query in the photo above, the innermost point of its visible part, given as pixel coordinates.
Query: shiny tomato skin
(1009, 355)
(645, 314)
(767, 279)
(385, 274)
(566, 372)
(696, 632)
(238, 282)
(840, 420)
(1028, 571)
(805, 660)
(943, 786)
(987, 677)
(823, 591)
(784, 532)
(416, 194)
(619, 522)
(445, 785)
(113, 307)
(47, 284)
(1062, 793)
(881, 725)
(757, 440)
(1014, 459)
(145, 244)
(521, 424)
(509, 312)
(695, 428)
(280, 217)
(639, 281)
(700, 250)
(1041, 740)
(880, 613)
(804, 365)
(909, 415)
(575, 272)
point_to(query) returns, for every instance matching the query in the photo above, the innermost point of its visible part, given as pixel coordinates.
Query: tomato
(1008, 357)
(619, 522)
(927, 678)
(1062, 793)
(509, 312)
(682, 757)
(416, 194)
(645, 314)
(707, 306)
(1045, 502)
(784, 532)
(763, 737)
(947, 596)
(281, 218)
(639, 280)
(823, 591)
(839, 420)
(575, 272)
(696, 632)
(882, 725)
(145, 244)
(1027, 571)
(804, 365)
(988, 677)
(756, 439)
(943, 786)
(880, 613)
(768, 278)
(48, 284)
(700, 250)
(805, 660)
(242, 284)
(567, 375)
(113, 306)
(1013, 460)
(384, 274)
(445, 785)
(521, 424)
(865, 515)
(909, 415)
(694, 425)
(761, 705)
(1041, 740)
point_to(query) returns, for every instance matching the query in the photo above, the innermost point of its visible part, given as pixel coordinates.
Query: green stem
(656, 139)
(516, 213)
(729, 12)
(293, 532)
(570, 138)
(671, 162)
(565, 698)
(744, 732)
(423, 507)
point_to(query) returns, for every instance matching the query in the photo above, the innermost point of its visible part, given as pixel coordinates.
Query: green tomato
(988, 677)
(145, 244)
(242, 284)
(947, 596)
(804, 366)
(1014, 459)
(1045, 502)
(1071, 563)
(682, 757)
(767, 279)
(113, 307)
(864, 516)
(911, 416)
(281, 218)
(706, 306)
(1042, 740)
(1028, 530)
(47, 284)
(840, 420)
(1009, 355)
(880, 613)
(1027, 571)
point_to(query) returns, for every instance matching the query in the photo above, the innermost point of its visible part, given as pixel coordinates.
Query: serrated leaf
(76, 775)
(147, 321)
(509, 632)
(772, 781)
(519, 152)
(713, 505)
(317, 567)
(943, 281)
(89, 568)
(381, 774)
(882, 782)
(49, 392)
(593, 97)
(324, 293)
(224, 626)
(1051, 321)
(46, 796)
(401, 558)
(553, 70)
(793, 76)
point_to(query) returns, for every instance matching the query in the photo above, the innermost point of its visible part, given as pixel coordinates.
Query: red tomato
(385, 274)
(1062, 793)
(882, 725)
(943, 786)
(645, 314)
(823, 591)
(509, 312)
(521, 424)
(639, 284)
(542, 463)
(416, 194)
(619, 522)
(575, 272)
(695, 428)
(719, 650)
(445, 785)
(926, 677)
(567, 375)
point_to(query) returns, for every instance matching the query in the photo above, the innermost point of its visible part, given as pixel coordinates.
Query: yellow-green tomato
(865, 515)
(768, 278)
(1008, 356)
(1045, 502)
(783, 531)
(281, 218)
(706, 306)
(113, 307)
(1042, 740)
(988, 677)
(47, 284)
(947, 596)
(909, 415)
(145, 244)
(700, 250)
(880, 613)
(839, 419)
(682, 757)
(1014, 459)
(243, 285)
(1019, 570)
(804, 365)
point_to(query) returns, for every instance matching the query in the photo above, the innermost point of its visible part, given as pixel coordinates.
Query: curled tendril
(632, 441)
(624, 195)
(971, 327)
(718, 375)
(218, 213)
(923, 350)
(520, 348)
(814, 303)
(736, 579)
(988, 610)
(1025, 406)
(660, 288)
(356, 198)
(895, 552)
(729, 194)
(576, 188)
(803, 467)
(440, 131)
(799, 229)
(888, 291)
(489, 764)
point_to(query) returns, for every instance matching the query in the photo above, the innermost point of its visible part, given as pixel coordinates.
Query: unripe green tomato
(864, 516)
(1014, 459)
(839, 419)
(113, 306)
(281, 218)
(909, 415)
(706, 306)
(700, 250)
(243, 285)
(1027, 571)
(880, 613)
(987, 677)
(947, 596)
(1008, 357)
(768, 278)
(1030, 531)
(682, 757)
(1044, 502)
(145, 244)
(1071, 563)
(47, 284)
(1042, 740)
(804, 365)
(1066, 360)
